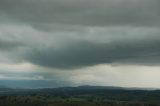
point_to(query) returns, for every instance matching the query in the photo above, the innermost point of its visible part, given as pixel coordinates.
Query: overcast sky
(80, 42)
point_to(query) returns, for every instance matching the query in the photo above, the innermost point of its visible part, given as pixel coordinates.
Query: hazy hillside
(90, 95)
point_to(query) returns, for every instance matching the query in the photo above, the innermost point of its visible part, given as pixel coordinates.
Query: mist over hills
(32, 84)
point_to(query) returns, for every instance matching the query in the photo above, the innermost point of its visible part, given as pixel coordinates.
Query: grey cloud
(84, 12)
(80, 54)
(40, 39)
(6, 44)
(77, 33)
(83, 46)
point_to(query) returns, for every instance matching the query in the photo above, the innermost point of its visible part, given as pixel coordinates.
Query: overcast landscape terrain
(51, 44)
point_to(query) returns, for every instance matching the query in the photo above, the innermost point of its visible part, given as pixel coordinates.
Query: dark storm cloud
(77, 33)
(82, 12)
(7, 44)
(80, 54)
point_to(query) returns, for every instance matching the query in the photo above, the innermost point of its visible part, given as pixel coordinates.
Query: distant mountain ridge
(82, 87)
(106, 87)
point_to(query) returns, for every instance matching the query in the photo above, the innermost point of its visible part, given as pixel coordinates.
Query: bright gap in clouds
(101, 75)
(119, 75)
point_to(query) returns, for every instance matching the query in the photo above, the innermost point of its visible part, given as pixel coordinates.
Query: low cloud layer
(83, 47)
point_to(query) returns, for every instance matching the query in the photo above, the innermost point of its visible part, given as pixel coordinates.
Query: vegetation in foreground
(79, 96)
(51, 101)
